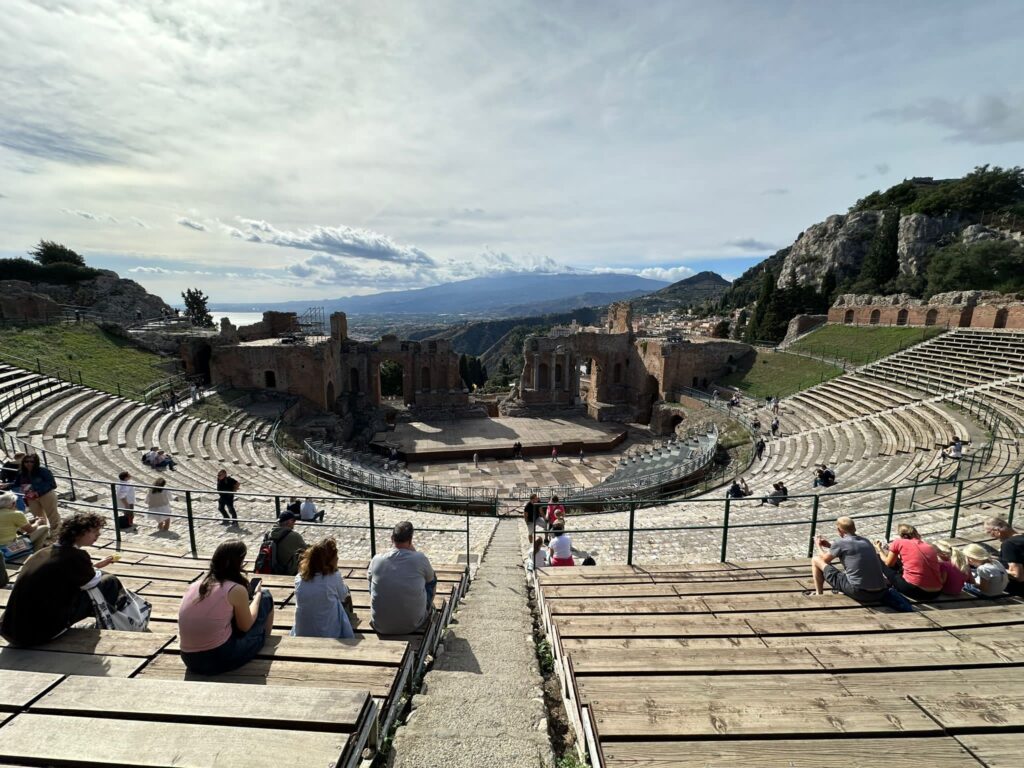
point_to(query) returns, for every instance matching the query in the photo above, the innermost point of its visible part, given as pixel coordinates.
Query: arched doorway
(617, 374)
(558, 374)
(425, 378)
(269, 380)
(353, 380)
(901, 317)
(330, 395)
(542, 374)
(676, 421)
(875, 316)
(1001, 318)
(202, 362)
(931, 316)
(848, 317)
(391, 375)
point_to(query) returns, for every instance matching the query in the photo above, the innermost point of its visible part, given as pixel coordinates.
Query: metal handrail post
(956, 508)
(725, 529)
(467, 538)
(632, 522)
(814, 526)
(373, 533)
(892, 508)
(1013, 497)
(117, 528)
(71, 480)
(191, 523)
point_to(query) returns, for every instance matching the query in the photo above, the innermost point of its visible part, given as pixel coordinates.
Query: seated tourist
(294, 506)
(755, 424)
(540, 554)
(289, 544)
(149, 456)
(990, 576)
(308, 512)
(402, 584)
(561, 546)
(739, 489)
(1011, 552)
(955, 450)
(162, 460)
(14, 523)
(861, 578)
(50, 592)
(912, 565)
(955, 565)
(220, 625)
(824, 477)
(322, 601)
(777, 496)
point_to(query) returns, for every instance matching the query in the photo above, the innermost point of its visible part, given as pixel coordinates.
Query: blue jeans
(240, 648)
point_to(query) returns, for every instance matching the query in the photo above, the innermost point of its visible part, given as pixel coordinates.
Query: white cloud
(185, 221)
(89, 216)
(989, 119)
(751, 244)
(165, 271)
(341, 241)
(667, 274)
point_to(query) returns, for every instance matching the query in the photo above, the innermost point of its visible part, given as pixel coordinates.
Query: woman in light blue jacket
(321, 597)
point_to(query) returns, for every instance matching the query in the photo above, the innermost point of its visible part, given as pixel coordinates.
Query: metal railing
(105, 494)
(725, 517)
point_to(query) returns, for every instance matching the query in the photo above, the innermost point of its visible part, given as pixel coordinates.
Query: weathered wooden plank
(939, 751)
(997, 750)
(153, 572)
(652, 625)
(334, 709)
(783, 602)
(885, 655)
(729, 660)
(106, 642)
(376, 679)
(833, 621)
(973, 710)
(18, 688)
(1006, 641)
(366, 649)
(59, 663)
(977, 614)
(627, 605)
(100, 741)
(786, 713)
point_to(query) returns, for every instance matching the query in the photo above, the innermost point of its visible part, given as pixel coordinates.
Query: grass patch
(220, 406)
(570, 760)
(860, 344)
(780, 374)
(103, 359)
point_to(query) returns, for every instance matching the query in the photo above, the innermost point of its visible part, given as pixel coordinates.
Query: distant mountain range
(704, 286)
(504, 296)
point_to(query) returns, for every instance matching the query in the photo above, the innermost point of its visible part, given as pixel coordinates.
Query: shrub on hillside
(990, 265)
(60, 272)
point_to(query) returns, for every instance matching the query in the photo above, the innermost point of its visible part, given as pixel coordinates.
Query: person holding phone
(224, 619)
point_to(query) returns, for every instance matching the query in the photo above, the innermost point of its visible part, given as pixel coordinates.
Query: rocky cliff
(841, 242)
(107, 294)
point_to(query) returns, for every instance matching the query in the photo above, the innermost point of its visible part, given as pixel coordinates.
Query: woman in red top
(912, 565)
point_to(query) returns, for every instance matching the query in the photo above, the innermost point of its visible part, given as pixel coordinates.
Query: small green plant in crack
(570, 760)
(545, 657)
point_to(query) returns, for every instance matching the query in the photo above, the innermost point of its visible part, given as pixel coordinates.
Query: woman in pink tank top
(219, 626)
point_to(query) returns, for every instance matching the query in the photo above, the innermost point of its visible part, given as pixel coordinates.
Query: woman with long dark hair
(321, 596)
(36, 483)
(220, 626)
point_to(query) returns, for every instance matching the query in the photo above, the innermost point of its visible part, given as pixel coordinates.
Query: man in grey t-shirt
(402, 584)
(861, 577)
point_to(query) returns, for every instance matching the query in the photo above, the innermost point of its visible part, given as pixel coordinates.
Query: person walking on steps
(226, 487)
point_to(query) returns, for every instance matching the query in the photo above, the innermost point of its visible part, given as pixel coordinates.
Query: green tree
(764, 299)
(882, 262)
(989, 265)
(49, 252)
(391, 379)
(475, 370)
(464, 371)
(195, 308)
(828, 288)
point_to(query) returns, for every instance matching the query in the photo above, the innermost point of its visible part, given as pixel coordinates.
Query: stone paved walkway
(482, 703)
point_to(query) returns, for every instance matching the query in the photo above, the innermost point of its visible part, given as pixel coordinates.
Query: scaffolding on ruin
(313, 326)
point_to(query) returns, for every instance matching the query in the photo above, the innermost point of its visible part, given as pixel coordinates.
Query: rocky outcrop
(18, 301)
(919, 236)
(800, 325)
(839, 243)
(106, 294)
(870, 300)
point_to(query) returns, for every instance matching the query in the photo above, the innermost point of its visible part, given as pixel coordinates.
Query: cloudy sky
(267, 151)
